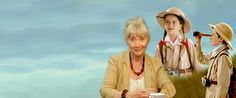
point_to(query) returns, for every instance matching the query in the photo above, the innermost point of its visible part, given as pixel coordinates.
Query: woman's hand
(133, 94)
(146, 92)
(143, 93)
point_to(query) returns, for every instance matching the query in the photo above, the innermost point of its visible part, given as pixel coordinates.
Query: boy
(217, 80)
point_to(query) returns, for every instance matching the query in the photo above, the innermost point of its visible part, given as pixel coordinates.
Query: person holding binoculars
(217, 79)
(176, 52)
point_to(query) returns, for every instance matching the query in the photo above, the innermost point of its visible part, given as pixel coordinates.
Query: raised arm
(202, 58)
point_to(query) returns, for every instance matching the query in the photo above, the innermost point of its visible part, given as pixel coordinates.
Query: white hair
(136, 26)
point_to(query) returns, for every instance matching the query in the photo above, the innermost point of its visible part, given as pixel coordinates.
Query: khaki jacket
(222, 69)
(175, 58)
(117, 77)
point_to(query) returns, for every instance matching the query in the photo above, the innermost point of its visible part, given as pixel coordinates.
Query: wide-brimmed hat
(225, 31)
(174, 11)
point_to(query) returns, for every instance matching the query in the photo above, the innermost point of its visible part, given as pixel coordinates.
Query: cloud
(59, 48)
(52, 76)
(61, 62)
(60, 39)
(51, 83)
(109, 50)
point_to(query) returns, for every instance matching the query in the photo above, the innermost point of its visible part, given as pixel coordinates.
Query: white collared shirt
(184, 61)
(176, 42)
(136, 84)
(218, 47)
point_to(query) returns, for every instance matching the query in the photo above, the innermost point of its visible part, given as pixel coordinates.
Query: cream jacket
(117, 77)
(175, 58)
(222, 69)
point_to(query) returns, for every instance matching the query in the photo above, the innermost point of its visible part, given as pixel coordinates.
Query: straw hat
(174, 11)
(225, 31)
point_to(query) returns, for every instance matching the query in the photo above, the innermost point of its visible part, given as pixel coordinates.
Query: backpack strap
(216, 58)
(161, 44)
(186, 44)
(223, 53)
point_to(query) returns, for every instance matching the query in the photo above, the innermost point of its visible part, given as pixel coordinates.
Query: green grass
(189, 87)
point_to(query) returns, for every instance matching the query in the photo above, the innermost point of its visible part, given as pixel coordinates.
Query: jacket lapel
(126, 69)
(148, 73)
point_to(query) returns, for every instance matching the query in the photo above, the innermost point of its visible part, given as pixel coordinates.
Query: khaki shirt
(177, 56)
(222, 69)
(117, 77)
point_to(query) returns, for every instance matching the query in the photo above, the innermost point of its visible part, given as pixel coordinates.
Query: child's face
(172, 25)
(215, 39)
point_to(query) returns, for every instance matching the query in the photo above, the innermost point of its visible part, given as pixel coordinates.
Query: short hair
(136, 26)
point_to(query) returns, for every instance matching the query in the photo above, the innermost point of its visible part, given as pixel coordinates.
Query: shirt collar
(176, 42)
(218, 49)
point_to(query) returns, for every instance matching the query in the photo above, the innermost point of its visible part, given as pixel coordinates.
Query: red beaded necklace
(136, 73)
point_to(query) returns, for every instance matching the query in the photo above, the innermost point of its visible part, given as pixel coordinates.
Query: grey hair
(136, 26)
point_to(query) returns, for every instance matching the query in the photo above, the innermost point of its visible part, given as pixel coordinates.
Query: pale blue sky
(60, 48)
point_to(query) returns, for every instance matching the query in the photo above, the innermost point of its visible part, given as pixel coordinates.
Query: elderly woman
(134, 74)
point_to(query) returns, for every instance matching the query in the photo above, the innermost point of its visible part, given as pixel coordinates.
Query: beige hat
(174, 11)
(225, 31)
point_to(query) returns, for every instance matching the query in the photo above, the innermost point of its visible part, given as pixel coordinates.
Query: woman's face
(215, 39)
(172, 25)
(137, 44)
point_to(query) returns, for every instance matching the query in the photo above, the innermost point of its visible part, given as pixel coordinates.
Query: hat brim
(160, 19)
(213, 27)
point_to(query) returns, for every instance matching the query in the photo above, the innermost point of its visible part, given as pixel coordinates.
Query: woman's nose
(137, 42)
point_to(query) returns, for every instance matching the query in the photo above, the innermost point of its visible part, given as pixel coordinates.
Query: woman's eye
(132, 39)
(141, 39)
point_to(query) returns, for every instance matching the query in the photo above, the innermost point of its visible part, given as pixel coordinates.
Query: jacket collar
(127, 70)
(218, 49)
